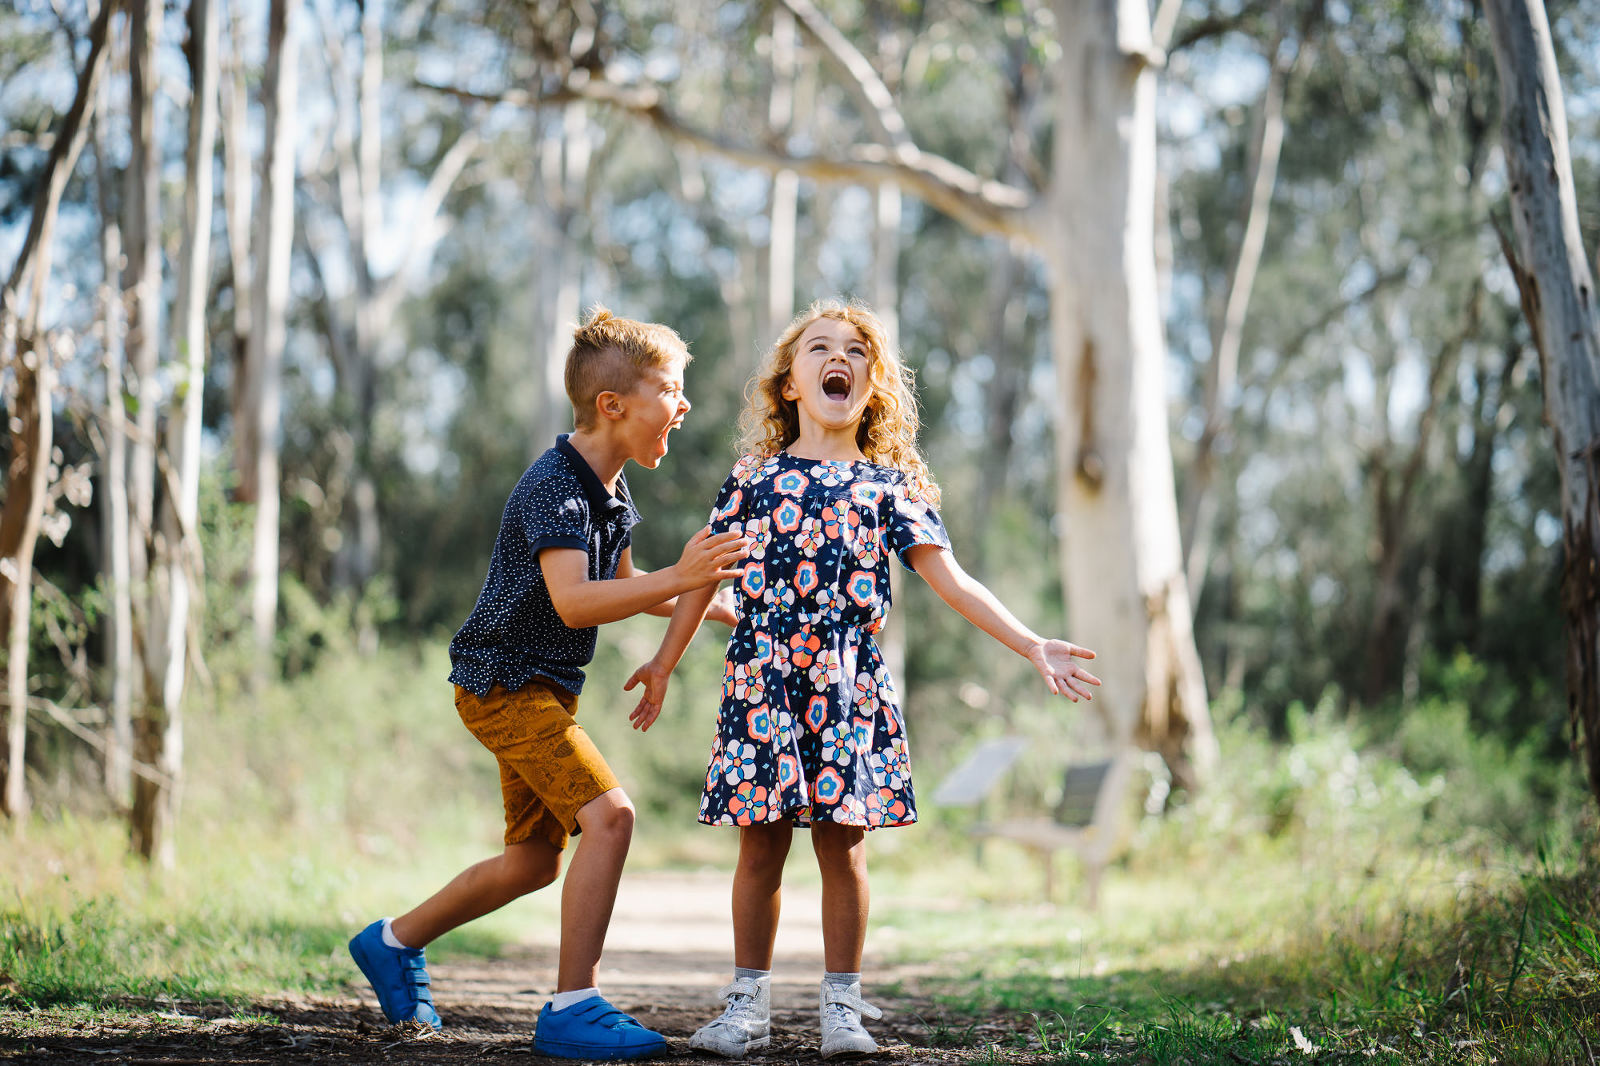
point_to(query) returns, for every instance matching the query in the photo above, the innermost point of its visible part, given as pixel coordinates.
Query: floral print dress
(809, 727)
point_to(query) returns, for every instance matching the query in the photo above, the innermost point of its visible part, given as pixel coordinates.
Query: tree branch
(861, 77)
(982, 204)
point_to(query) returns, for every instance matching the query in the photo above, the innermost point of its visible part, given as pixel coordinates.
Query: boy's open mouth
(836, 384)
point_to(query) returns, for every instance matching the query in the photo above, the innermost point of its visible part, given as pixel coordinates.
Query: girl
(810, 733)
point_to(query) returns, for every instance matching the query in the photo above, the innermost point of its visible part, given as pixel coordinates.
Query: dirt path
(671, 947)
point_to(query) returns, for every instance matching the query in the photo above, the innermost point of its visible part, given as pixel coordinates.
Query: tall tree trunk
(1124, 578)
(269, 311)
(32, 433)
(157, 797)
(1558, 298)
(142, 291)
(564, 164)
(1199, 532)
(114, 490)
(236, 201)
(785, 205)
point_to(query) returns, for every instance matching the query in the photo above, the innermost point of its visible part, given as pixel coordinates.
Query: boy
(561, 566)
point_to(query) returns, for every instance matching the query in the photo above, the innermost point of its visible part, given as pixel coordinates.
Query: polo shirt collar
(593, 487)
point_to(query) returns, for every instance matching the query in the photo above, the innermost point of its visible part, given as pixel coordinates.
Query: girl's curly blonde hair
(888, 431)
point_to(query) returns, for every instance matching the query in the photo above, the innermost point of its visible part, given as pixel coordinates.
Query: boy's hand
(709, 558)
(654, 677)
(1053, 660)
(724, 608)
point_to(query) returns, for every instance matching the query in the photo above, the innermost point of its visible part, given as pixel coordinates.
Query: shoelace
(741, 997)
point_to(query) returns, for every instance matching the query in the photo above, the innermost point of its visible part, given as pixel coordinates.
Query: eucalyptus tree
(1558, 297)
(27, 353)
(346, 196)
(1092, 226)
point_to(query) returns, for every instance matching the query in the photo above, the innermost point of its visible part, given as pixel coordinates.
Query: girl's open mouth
(836, 385)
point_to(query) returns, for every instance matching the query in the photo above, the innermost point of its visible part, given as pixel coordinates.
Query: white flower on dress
(825, 670)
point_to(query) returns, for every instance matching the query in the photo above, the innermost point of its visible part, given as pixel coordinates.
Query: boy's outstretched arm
(722, 604)
(656, 673)
(973, 601)
(706, 559)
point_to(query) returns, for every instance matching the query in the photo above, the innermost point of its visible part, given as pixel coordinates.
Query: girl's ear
(610, 405)
(788, 391)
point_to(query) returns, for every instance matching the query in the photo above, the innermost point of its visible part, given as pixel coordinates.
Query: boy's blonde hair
(888, 431)
(610, 354)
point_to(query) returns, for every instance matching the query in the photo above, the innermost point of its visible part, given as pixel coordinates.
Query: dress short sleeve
(911, 521)
(729, 509)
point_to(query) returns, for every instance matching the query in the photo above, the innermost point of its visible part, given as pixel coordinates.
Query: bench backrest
(1080, 793)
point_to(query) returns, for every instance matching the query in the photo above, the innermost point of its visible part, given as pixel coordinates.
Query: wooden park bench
(1087, 819)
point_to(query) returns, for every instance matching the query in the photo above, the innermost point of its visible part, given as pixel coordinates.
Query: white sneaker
(842, 1034)
(746, 1023)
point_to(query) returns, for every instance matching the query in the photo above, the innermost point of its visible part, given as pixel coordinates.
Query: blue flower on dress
(817, 713)
(754, 579)
(786, 516)
(862, 587)
(790, 483)
(759, 722)
(828, 787)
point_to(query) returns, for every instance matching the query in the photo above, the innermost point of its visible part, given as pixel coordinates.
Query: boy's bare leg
(590, 890)
(480, 888)
(757, 892)
(842, 859)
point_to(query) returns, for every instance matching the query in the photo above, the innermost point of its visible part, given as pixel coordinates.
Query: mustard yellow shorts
(549, 768)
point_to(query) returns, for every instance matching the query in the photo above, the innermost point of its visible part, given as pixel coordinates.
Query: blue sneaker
(594, 1029)
(398, 975)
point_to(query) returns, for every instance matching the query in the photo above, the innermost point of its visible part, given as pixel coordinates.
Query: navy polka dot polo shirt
(514, 633)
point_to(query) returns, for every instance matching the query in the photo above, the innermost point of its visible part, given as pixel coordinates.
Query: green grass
(1328, 899)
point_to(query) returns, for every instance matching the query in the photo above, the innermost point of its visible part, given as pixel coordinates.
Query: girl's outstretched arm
(655, 674)
(974, 602)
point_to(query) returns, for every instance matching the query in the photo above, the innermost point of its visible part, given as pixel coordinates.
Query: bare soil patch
(670, 950)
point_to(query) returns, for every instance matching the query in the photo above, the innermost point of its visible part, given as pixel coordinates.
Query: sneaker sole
(728, 1051)
(849, 1052)
(589, 1052)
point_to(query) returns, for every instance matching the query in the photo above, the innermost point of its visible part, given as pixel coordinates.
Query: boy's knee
(609, 815)
(531, 866)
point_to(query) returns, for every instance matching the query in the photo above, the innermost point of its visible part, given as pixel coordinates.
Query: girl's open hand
(1054, 661)
(654, 677)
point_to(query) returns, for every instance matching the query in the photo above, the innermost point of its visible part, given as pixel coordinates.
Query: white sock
(841, 980)
(390, 939)
(742, 972)
(563, 1000)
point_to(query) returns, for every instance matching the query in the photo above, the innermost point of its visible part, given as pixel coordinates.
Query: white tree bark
(178, 547)
(114, 489)
(1558, 298)
(1126, 593)
(564, 165)
(784, 208)
(28, 477)
(270, 302)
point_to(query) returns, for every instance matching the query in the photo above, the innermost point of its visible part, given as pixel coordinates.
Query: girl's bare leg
(842, 858)
(757, 892)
